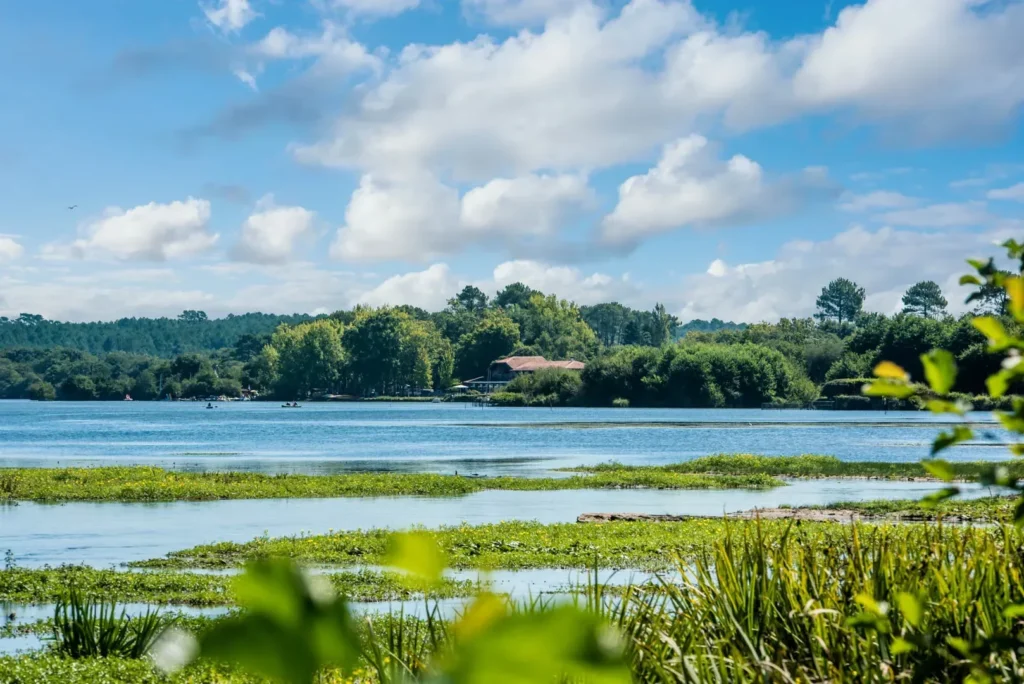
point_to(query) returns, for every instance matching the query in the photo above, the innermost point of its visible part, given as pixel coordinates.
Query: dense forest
(636, 358)
(192, 331)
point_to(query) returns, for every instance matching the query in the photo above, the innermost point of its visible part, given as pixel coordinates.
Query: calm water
(441, 437)
(413, 437)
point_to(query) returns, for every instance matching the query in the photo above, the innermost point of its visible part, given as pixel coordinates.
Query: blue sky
(726, 158)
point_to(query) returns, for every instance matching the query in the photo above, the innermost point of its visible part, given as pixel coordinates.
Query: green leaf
(868, 603)
(911, 608)
(942, 406)
(899, 646)
(959, 645)
(418, 554)
(939, 370)
(969, 280)
(941, 470)
(888, 369)
(562, 644)
(993, 329)
(1018, 512)
(1014, 611)
(958, 434)
(889, 388)
(934, 499)
(1015, 289)
(1014, 422)
(998, 383)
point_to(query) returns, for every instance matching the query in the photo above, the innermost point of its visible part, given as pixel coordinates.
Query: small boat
(291, 405)
(210, 406)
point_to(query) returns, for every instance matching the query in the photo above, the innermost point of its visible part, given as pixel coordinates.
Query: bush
(546, 387)
(87, 629)
(41, 391)
(849, 365)
(620, 402)
(508, 399)
(848, 387)
(853, 403)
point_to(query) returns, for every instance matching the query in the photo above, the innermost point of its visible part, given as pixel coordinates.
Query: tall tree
(924, 299)
(514, 294)
(494, 337)
(841, 300)
(471, 299)
(374, 343)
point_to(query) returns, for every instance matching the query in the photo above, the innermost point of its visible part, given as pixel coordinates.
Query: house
(504, 371)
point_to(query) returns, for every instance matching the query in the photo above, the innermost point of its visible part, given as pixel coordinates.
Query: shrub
(90, 629)
(848, 387)
(620, 402)
(508, 399)
(853, 403)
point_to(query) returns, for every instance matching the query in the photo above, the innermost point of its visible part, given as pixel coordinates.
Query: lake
(444, 438)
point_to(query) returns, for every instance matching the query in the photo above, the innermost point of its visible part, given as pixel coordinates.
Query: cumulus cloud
(1014, 192)
(594, 89)
(885, 262)
(567, 282)
(230, 15)
(428, 289)
(270, 233)
(418, 218)
(10, 249)
(150, 232)
(691, 186)
(573, 95)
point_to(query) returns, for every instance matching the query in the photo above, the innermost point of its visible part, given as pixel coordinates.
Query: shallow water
(442, 437)
(105, 534)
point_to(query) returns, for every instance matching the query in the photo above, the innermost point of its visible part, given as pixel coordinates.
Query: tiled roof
(534, 363)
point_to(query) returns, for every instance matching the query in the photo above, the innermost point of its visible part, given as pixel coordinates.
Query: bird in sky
(72, 207)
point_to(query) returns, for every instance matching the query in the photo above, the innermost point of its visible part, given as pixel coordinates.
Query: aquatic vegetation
(804, 466)
(22, 585)
(986, 509)
(142, 483)
(522, 545)
(91, 628)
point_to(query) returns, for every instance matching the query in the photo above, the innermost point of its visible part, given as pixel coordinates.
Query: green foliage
(925, 299)
(143, 483)
(493, 338)
(619, 402)
(841, 300)
(691, 375)
(23, 585)
(555, 386)
(92, 629)
(163, 337)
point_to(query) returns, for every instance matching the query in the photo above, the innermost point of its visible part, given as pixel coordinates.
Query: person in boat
(209, 405)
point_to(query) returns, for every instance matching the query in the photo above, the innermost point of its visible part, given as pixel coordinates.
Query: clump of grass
(22, 585)
(140, 483)
(84, 628)
(984, 509)
(803, 466)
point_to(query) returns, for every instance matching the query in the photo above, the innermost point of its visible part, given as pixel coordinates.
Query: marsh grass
(89, 628)
(141, 483)
(803, 466)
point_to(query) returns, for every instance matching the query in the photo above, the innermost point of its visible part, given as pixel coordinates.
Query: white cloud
(574, 95)
(230, 15)
(380, 8)
(153, 232)
(566, 282)
(885, 262)
(531, 204)
(948, 215)
(270, 233)
(879, 199)
(1014, 192)
(10, 249)
(519, 12)
(418, 218)
(415, 219)
(428, 289)
(939, 68)
(691, 186)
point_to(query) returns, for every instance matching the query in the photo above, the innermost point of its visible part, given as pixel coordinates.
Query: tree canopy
(925, 299)
(841, 300)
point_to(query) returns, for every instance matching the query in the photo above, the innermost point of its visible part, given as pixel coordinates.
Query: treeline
(639, 358)
(75, 375)
(192, 331)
